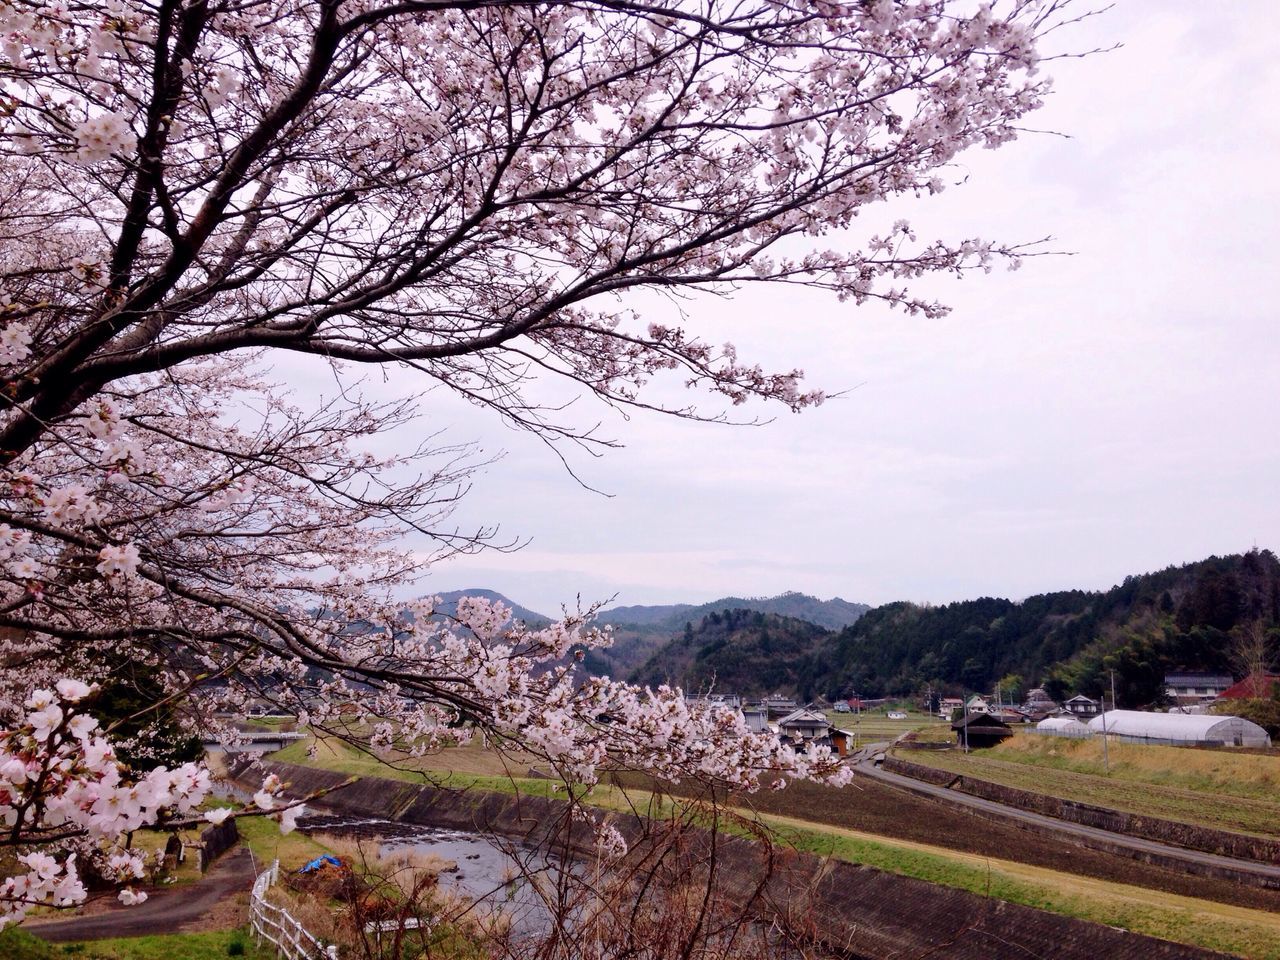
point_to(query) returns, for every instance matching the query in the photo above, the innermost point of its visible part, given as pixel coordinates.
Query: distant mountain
(1180, 618)
(449, 604)
(834, 614)
(639, 631)
(653, 616)
(747, 652)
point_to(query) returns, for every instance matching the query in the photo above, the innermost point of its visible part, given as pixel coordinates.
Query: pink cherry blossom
(72, 691)
(118, 561)
(130, 897)
(98, 137)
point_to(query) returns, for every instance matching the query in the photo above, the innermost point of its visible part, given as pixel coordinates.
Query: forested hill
(1178, 618)
(834, 614)
(640, 631)
(742, 651)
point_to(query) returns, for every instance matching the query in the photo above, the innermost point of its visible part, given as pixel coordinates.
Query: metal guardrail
(291, 940)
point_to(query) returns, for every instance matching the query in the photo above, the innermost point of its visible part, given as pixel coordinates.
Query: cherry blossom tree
(193, 189)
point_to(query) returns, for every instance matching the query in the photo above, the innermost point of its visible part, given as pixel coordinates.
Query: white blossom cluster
(59, 781)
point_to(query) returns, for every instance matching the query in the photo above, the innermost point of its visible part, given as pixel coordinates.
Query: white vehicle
(897, 715)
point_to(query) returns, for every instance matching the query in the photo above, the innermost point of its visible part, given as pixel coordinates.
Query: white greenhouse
(1180, 728)
(1063, 727)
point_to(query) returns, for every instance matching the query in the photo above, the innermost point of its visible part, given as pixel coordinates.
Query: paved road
(166, 911)
(1195, 861)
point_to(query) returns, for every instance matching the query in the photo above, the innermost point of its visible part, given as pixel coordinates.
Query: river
(491, 871)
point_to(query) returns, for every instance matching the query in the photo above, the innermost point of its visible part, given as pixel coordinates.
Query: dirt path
(166, 910)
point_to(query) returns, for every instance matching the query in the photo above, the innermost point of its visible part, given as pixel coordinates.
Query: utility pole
(1114, 704)
(1106, 759)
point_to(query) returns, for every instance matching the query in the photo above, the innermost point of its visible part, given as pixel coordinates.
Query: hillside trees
(1192, 617)
(1212, 605)
(1253, 649)
(192, 192)
(744, 652)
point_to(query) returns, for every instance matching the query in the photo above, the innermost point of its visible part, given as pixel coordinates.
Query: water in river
(489, 871)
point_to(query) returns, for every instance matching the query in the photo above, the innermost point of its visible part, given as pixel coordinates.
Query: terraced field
(1125, 789)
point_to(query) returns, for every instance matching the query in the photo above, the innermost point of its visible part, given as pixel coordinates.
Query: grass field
(1235, 792)
(472, 766)
(152, 840)
(873, 726)
(1225, 771)
(218, 945)
(267, 843)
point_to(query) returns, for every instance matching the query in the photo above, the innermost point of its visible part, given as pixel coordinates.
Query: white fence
(274, 924)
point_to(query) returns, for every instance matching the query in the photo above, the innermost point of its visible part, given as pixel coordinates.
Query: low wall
(1187, 835)
(902, 744)
(216, 840)
(919, 771)
(858, 912)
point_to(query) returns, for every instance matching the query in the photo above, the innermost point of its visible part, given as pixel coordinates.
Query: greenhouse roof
(1171, 726)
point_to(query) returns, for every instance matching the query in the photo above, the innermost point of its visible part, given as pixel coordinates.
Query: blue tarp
(320, 862)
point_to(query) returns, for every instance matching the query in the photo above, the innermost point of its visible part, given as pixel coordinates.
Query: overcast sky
(1084, 418)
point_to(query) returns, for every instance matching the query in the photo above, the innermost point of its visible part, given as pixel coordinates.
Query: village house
(1259, 687)
(804, 724)
(1010, 715)
(1082, 706)
(729, 700)
(776, 705)
(1188, 688)
(1039, 702)
(757, 719)
(977, 730)
(808, 725)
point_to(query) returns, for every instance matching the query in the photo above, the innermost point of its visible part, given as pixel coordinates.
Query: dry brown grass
(1193, 791)
(1255, 775)
(459, 763)
(404, 866)
(382, 883)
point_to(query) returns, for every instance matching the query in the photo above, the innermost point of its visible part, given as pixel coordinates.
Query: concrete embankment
(1191, 837)
(857, 912)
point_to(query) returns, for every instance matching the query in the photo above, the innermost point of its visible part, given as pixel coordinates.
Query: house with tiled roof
(1257, 687)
